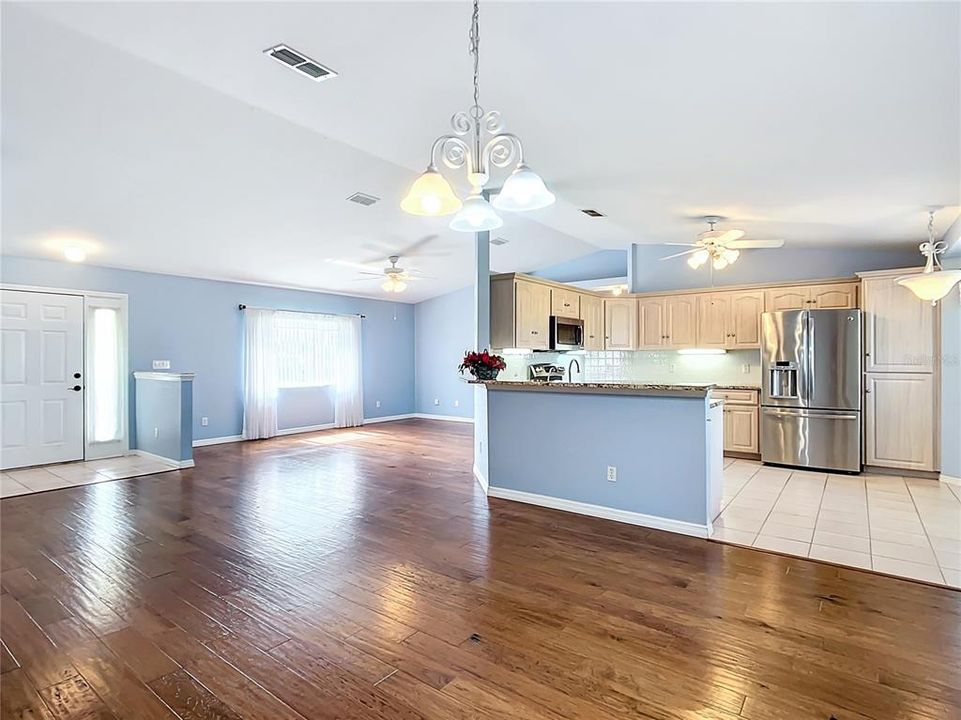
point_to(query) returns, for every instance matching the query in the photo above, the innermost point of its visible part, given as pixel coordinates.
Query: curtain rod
(305, 312)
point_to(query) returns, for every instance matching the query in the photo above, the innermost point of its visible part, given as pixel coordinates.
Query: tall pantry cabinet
(901, 375)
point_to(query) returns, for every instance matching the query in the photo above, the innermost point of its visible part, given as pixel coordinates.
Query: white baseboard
(218, 440)
(305, 429)
(449, 418)
(481, 480)
(599, 511)
(182, 464)
(388, 418)
(951, 480)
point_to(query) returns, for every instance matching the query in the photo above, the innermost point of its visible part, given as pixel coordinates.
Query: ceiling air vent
(300, 62)
(499, 241)
(363, 199)
(592, 213)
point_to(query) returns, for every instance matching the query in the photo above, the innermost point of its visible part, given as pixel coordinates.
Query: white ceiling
(163, 132)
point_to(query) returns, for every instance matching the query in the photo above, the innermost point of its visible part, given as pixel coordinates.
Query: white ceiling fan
(395, 278)
(721, 247)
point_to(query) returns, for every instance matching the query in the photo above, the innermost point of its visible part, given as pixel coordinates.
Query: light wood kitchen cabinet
(741, 421)
(899, 328)
(532, 316)
(812, 297)
(565, 303)
(620, 323)
(592, 313)
(652, 322)
(681, 316)
(730, 319)
(900, 420)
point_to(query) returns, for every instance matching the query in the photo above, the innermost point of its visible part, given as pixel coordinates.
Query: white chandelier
(933, 283)
(523, 190)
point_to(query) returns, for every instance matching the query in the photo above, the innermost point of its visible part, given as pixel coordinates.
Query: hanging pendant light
(477, 215)
(932, 283)
(486, 147)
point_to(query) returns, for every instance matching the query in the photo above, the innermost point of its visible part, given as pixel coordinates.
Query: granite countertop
(665, 389)
(738, 387)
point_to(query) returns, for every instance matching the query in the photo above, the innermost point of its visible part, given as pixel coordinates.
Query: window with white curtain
(295, 349)
(106, 376)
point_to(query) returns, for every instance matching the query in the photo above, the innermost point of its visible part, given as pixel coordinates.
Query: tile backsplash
(667, 366)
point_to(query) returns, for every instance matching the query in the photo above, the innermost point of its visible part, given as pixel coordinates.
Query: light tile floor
(896, 525)
(52, 477)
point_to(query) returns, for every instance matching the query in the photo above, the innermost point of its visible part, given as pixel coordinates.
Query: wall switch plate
(161, 364)
(377, 403)
(156, 432)
(204, 422)
(611, 473)
(457, 403)
(436, 401)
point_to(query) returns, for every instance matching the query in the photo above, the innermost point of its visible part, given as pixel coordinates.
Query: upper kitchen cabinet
(812, 297)
(730, 319)
(565, 303)
(668, 321)
(520, 313)
(620, 323)
(592, 313)
(652, 322)
(899, 328)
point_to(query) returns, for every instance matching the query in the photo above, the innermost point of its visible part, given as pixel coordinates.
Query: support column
(631, 260)
(482, 339)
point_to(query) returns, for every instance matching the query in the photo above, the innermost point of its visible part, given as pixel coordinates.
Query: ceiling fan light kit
(933, 283)
(721, 247)
(523, 190)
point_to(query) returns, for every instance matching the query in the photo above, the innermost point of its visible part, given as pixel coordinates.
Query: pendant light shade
(431, 194)
(523, 190)
(698, 258)
(931, 285)
(477, 215)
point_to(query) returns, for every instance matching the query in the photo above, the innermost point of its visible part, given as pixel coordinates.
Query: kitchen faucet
(574, 361)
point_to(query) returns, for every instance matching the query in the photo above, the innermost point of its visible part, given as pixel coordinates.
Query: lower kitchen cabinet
(741, 429)
(899, 410)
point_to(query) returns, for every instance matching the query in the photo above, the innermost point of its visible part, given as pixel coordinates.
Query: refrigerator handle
(809, 378)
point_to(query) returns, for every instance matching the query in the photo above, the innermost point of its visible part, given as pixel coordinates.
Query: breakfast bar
(646, 454)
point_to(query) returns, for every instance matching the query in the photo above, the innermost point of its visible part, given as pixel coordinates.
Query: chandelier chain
(474, 41)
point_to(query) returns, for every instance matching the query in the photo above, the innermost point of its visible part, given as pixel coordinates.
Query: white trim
(63, 291)
(168, 376)
(449, 418)
(951, 480)
(599, 511)
(481, 480)
(388, 418)
(305, 429)
(153, 456)
(218, 440)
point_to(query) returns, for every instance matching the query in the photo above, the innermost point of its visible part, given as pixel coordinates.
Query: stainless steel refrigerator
(811, 389)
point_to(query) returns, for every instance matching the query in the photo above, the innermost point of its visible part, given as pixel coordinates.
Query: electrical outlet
(204, 422)
(161, 364)
(436, 401)
(457, 403)
(377, 403)
(611, 473)
(156, 432)
(670, 368)
(746, 368)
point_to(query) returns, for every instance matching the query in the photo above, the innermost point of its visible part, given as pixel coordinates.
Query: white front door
(41, 387)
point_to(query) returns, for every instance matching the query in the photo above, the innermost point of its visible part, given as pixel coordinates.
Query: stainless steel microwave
(566, 333)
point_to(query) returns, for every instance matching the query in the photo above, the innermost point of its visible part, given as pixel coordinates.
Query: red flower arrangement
(482, 365)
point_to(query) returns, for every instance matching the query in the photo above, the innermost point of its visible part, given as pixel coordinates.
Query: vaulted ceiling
(162, 134)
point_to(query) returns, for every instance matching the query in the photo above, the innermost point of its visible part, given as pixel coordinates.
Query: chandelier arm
(501, 150)
(453, 151)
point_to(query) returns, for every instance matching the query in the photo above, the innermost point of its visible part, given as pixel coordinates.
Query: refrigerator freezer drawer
(826, 439)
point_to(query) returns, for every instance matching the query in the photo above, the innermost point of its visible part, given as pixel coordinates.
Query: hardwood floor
(362, 574)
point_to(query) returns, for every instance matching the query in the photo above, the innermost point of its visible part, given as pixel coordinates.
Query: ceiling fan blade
(372, 274)
(349, 263)
(413, 249)
(681, 244)
(686, 252)
(747, 244)
(729, 236)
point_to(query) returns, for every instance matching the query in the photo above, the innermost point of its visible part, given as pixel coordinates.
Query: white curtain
(260, 374)
(294, 349)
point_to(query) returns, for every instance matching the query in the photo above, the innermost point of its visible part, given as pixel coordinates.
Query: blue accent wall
(786, 264)
(196, 325)
(595, 266)
(167, 407)
(443, 331)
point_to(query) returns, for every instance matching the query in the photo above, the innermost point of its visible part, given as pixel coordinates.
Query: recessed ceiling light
(593, 213)
(73, 253)
(295, 60)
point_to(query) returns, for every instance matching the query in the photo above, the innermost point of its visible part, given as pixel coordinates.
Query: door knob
(76, 388)
(76, 376)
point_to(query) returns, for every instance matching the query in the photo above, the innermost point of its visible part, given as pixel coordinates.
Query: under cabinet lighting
(515, 351)
(701, 351)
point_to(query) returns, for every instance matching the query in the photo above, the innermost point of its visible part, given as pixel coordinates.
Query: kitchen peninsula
(646, 454)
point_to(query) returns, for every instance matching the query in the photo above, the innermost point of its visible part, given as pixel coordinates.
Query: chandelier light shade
(476, 215)
(933, 283)
(431, 195)
(523, 190)
(478, 145)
